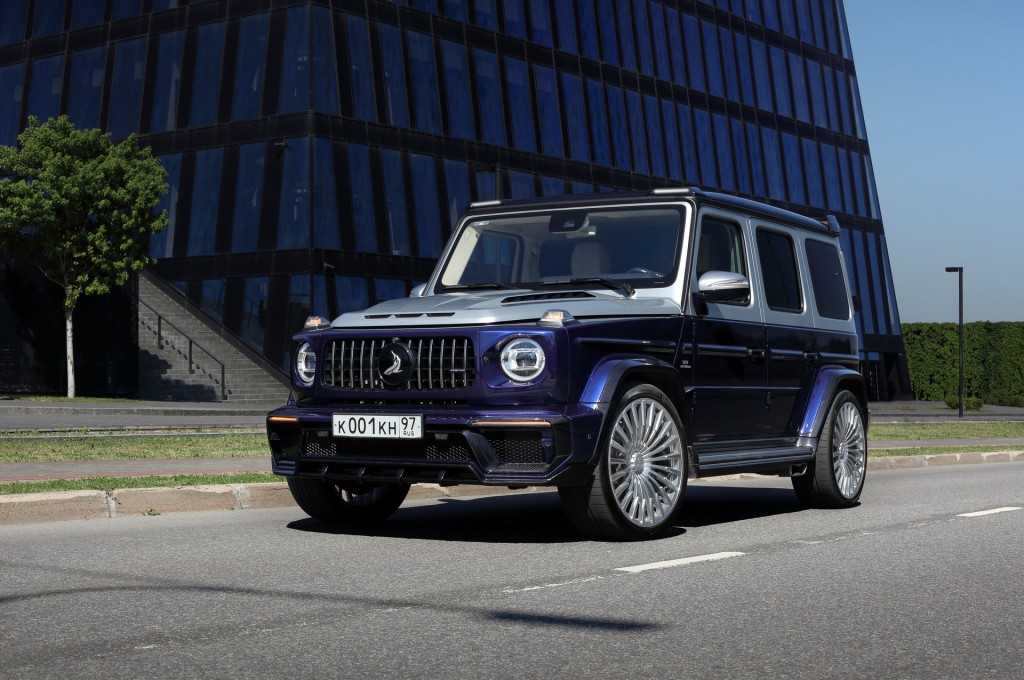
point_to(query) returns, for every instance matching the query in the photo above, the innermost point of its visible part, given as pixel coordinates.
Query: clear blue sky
(942, 83)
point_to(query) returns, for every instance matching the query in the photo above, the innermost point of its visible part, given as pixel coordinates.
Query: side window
(830, 295)
(779, 273)
(720, 248)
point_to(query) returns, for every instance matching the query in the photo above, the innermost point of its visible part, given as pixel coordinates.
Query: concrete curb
(61, 506)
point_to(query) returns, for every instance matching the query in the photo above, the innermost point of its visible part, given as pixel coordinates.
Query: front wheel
(637, 488)
(835, 478)
(331, 503)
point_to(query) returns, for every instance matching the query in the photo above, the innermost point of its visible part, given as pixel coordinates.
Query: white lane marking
(995, 511)
(573, 582)
(680, 562)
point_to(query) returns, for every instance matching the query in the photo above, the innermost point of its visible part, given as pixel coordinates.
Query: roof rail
(485, 204)
(673, 191)
(832, 224)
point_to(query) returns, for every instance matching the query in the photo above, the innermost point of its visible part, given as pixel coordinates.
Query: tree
(79, 208)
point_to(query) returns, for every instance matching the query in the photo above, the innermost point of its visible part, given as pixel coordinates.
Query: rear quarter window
(830, 295)
(779, 271)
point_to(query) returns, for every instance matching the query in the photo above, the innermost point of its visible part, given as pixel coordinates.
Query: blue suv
(610, 346)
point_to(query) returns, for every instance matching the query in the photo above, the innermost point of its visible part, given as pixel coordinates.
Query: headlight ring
(522, 359)
(305, 364)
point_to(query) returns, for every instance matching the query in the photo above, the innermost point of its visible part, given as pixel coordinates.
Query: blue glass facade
(318, 153)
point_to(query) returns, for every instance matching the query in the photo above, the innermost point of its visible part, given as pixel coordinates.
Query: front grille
(442, 363)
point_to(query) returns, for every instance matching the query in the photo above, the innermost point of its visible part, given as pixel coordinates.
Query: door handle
(811, 356)
(756, 353)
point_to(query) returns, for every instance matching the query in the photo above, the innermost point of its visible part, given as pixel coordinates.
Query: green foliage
(78, 206)
(993, 362)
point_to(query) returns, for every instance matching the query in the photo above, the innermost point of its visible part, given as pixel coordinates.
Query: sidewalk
(56, 416)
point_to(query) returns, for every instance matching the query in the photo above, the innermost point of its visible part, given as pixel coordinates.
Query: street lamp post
(959, 271)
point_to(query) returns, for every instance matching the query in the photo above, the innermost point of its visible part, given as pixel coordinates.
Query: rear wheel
(335, 504)
(637, 487)
(835, 478)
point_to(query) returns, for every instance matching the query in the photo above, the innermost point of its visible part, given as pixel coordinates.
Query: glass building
(319, 152)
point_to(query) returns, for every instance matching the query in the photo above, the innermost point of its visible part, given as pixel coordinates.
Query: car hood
(502, 306)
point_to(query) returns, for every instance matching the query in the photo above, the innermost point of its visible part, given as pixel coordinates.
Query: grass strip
(114, 483)
(23, 450)
(951, 430)
(936, 450)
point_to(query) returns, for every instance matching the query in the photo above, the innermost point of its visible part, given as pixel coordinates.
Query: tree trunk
(69, 333)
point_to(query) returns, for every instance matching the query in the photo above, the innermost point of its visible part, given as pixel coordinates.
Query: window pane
(626, 41)
(788, 18)
(206, 75)
(389, 289)
(857, 168)
(723, 150)
(694, 59)
(778, 271)
(832, 192)
(486, 14)
(248, 198)
(576, 117)
(325, 74)
(812, 167)
(705, 147)
(457, 179)
(565, 15)
(361, 182)
(47, 81)
(643, 32)
(661, 51)
(829, 85)
(540, 17)
(732, 83)
(123, 9)
(547, 105)
(49, 19)
(428, 211)
(845, 113)
(817, 95)
(293, 213)
(84, 13)
(364, 103)
(211, 299)
(657, 142)
(455, 9)
(794, 170)
(126, 97)
(521, 103)
(894, 316)
(876, 212)
(830, 294)
(12, 79)
(424, 83)
(521, 184)
(515, 15)
(456, 82)
(796, 71)
(488, 86)
(712, 59)
(781, 81)
(395, 203)
(675, 42)
(721, 248)
(161, 244)
(690, 174)
(295, 78)
(606, 22)
(168, 82)
(619, 126)
(254, 312)
(756, 164)
(762, 77)
(844, 177)
(672, 150)
(393, 56)
(88, 69)
(599, 123)
(250, 67)
(637, 131)
(12, 28)
(202, 232)
(740, 158)
(319, 306)
(352, 294)
(589, 37)
(746, 76)
(773, 164)
(878, 280)
(325, 193)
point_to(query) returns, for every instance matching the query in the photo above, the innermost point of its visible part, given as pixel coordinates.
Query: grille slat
(443, 363)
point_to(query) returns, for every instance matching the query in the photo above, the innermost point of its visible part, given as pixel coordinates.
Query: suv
(610, 346)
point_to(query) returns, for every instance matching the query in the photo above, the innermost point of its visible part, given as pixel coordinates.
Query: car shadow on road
(710, 505)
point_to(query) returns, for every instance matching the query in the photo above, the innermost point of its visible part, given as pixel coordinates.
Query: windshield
(634, 245)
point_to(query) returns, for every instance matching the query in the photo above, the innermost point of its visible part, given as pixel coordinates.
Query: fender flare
(826, 384)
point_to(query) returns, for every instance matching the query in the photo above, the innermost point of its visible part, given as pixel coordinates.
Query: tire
(637, 487)
(333, 504)
(835, 478)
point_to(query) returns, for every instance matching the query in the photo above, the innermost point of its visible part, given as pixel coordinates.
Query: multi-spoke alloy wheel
(637, 489)
(835, 478)
(645, 462)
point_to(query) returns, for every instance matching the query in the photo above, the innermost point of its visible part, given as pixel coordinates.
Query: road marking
(573, 582)
(995, 511)
(680, 562)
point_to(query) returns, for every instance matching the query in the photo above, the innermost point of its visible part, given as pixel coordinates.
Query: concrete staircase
(165, 372)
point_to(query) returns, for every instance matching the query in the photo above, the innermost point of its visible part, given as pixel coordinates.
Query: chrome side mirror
(722, 287)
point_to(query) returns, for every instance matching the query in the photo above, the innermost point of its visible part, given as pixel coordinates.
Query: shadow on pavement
(710, 505)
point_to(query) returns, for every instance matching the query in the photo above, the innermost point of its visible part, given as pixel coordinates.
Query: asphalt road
(899, 587)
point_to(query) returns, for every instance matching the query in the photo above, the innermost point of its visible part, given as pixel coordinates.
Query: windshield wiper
(620, 286)
(477, 286)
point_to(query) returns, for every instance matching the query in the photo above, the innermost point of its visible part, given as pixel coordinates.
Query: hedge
(993, 361)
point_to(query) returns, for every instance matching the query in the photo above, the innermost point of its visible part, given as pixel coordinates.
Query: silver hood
(501, 306)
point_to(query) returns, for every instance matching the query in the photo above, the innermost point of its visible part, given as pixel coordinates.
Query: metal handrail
(160, 321)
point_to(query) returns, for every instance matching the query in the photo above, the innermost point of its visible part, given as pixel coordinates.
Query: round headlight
(305, 363)
(522, 359)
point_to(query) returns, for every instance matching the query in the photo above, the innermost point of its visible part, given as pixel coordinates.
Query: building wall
(319, 152)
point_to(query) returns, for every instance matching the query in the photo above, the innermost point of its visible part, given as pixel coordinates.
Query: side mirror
(418, 291)
(722, 287)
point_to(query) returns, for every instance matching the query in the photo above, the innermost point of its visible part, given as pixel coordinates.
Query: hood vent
(541, 297)
(414, 315)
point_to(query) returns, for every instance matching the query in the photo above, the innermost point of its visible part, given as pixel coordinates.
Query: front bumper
(502, 446)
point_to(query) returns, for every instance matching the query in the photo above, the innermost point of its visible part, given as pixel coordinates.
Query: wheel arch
(829, 382)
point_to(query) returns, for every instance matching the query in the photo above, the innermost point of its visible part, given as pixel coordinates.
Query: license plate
(377, 427)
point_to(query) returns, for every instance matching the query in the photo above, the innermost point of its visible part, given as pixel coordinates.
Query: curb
(60, 506)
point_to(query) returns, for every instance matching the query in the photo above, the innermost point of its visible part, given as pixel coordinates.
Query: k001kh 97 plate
(377, 426)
